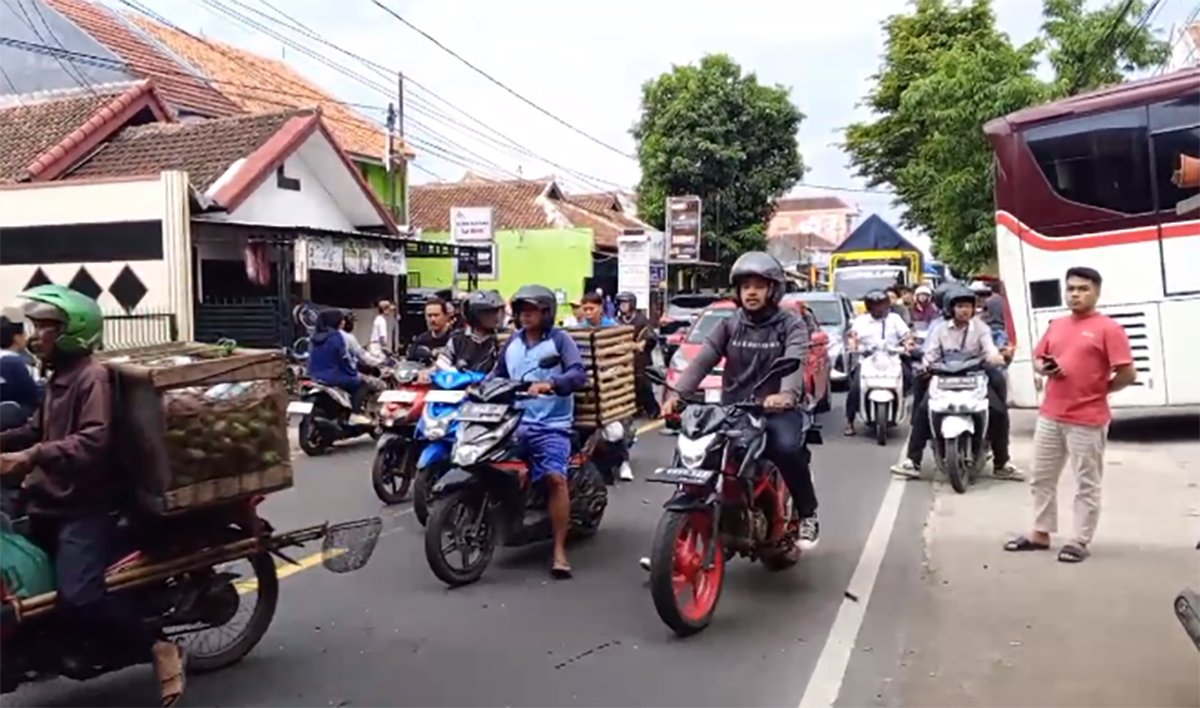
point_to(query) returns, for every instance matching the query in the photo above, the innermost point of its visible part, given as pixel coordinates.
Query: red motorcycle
(397, 451)
(729, 501)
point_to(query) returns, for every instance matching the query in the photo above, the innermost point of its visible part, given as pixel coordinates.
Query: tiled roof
(261, 85)
(203, 149)
(41, 132)
(516, 204)
(599, 202)
(174, 81)
(790, 204)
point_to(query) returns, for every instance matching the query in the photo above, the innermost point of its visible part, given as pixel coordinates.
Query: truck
(874, 257)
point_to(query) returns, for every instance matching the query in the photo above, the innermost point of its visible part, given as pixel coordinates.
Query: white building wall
(312, 206)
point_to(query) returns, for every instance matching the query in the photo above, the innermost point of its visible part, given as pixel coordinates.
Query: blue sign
(658, 274)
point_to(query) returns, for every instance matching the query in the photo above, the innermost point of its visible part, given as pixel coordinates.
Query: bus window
(1100, 161)
(1176, 141)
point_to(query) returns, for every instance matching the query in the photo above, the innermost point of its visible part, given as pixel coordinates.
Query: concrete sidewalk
(1021, 629)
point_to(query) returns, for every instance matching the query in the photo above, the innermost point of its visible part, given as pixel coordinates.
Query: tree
(712, 131)
(947, 70)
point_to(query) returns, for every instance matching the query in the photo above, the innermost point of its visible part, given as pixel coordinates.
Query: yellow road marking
(288, 569)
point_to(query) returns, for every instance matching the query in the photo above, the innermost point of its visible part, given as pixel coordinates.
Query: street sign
(683, 228)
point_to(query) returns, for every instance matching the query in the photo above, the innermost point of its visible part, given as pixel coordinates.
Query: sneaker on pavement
(359, 419)
(907, 468)
(1008, 471)
(810, 533)
(645, 563)
(626, 473)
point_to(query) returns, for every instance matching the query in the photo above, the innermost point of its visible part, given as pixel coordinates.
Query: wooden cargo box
(608, 354)
(200, 424)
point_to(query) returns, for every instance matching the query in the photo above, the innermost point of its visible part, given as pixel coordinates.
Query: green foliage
(712, 131)
(946, 71)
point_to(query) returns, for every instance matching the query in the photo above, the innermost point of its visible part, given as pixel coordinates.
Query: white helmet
(924, 290)
(979, 287)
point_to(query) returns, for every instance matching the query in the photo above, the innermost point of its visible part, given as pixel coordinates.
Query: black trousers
(998, 420)
(646, 402)
(787, 451)
(82, 549)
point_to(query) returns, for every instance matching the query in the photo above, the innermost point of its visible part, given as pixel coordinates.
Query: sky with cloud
(584, 64)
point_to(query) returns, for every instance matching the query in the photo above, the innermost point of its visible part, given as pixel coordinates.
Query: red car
(818, 361)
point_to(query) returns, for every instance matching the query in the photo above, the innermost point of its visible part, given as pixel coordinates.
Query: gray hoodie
(749, 348)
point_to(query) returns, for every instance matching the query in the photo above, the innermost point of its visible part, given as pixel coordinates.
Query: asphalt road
(393, 635)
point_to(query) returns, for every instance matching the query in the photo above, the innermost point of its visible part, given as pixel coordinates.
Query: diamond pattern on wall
(127, 289)
(86, 284)
(39, 277)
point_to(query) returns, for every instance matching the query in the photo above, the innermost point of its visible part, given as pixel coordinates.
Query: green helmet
(83, 323)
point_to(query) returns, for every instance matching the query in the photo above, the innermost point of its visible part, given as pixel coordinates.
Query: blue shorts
(546, 450)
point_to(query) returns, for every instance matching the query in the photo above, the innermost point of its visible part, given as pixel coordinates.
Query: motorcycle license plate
(960, 383)
(442, 396)
(398, 396)
(300, 408)
(712, 395)
(681, 475)
(482, 412)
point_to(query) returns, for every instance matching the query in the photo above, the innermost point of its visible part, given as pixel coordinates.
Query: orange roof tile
(515, 202)
(261, 85)
(174, 81)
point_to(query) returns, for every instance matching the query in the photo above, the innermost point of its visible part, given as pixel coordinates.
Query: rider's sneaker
(907, 468)
(1008, 471)
(810, 533)
(359, 419)
(645, 563)
(626, 473)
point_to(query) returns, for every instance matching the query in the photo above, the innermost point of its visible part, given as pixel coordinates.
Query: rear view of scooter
(881, 385)
(958, 419)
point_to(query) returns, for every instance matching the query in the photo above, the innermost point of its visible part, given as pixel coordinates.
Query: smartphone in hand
(1050, 366)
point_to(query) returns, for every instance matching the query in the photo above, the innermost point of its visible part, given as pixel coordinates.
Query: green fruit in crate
(270, 457)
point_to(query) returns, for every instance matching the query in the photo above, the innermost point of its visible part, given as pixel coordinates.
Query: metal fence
(139, 329)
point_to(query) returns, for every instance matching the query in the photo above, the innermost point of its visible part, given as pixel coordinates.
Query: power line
(1102, 48)
(499, 83)
(424, 107)
(77, 77)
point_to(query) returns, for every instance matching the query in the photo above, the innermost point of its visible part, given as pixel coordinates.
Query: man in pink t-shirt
(1085, 357)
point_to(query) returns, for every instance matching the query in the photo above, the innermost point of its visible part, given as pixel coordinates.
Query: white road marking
(826, 681)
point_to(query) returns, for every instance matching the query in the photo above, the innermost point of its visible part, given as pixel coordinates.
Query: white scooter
(958, 419)
(881, 387)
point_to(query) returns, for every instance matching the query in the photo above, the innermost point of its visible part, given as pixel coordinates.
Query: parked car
(681, 313)
(817, 376)
(835, 314)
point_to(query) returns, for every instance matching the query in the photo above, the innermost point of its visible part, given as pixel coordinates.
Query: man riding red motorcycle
(63, 451)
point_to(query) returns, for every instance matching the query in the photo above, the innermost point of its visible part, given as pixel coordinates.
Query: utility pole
(403, 147)
(389, 160)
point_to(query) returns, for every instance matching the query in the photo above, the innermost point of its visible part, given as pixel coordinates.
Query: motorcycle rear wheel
(444, 516)
(312, 442)
(267, 580)
(392, 485)
(673, 558)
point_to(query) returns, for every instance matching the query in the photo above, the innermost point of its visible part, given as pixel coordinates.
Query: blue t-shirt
(519, 360)
(18, 384)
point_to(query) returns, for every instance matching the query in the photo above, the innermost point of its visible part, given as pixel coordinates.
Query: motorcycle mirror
(782, 367)
(549, 361)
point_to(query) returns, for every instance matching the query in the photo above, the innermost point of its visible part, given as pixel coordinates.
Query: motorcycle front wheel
(392, 474)
(471, 531)
(265, 583)
(685, 593)
(956, 457)
(882, 417)
(422, 493)
(312, 440)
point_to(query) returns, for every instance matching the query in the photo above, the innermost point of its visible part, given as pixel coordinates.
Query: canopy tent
(875, 234)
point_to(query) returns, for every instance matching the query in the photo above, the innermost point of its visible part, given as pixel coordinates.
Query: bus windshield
(855, 283)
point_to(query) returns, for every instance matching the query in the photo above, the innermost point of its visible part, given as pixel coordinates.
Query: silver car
(835, 315)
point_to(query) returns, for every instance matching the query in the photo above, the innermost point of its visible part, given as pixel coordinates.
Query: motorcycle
(396, 452)
(436, 430)
(958, 418)
(729, 501)
(325, 414)
(1187, 609)
(296, 374)
(486, 497)
(176, 572)
(881, 387)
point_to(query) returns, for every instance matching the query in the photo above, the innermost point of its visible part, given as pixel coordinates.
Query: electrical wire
(499, 83)
(77, 77)
(1102, 47)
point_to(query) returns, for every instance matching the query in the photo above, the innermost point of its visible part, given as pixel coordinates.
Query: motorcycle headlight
(693, 452)
(469, 452)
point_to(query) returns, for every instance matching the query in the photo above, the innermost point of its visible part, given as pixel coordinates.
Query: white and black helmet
(762, 265)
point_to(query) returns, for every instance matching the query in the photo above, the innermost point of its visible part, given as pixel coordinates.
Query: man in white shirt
(878, 325)
(380, 336)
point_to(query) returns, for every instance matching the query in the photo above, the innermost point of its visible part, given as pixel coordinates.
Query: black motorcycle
(486, 497)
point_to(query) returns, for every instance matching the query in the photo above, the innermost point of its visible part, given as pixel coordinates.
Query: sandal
(1021, 544)
(561, 570)
(1073, 553)
(171, 686)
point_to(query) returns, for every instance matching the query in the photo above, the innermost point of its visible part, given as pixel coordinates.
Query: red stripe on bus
(1098, 240)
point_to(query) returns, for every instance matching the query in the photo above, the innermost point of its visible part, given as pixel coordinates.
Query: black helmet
(626, 296)
(539, 295)
(939, 293)
(480, 301)
(955, 294)
(875, 297)
(763, 265)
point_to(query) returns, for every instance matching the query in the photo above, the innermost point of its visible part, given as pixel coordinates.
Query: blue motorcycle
(436, 430)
